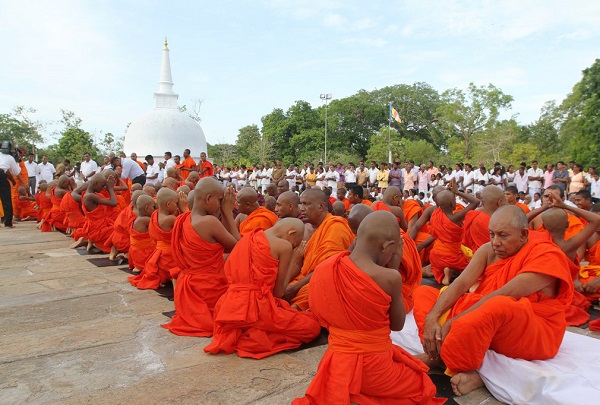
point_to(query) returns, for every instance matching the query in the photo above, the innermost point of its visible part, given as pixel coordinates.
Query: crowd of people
(261, 258)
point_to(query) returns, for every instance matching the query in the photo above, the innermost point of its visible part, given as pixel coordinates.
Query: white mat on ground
(573, 376)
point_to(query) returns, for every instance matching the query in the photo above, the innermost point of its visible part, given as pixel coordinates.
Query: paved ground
(74, 333)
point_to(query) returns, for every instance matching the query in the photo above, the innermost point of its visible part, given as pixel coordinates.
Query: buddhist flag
(396, 116)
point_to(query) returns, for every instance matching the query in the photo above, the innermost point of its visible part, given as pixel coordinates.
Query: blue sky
(101, 59)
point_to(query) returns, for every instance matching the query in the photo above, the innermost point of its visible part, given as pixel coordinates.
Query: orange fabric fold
(411, 208)
(249, 320)
(497, 319)
(587, 274)
(98, 225)
(188, 163)
(44, 205)
(26, 209)
(410, 270)
(524, 207)
(446, 251)
(74, 217)
(56, 217)
(158, 267)
(575, 226)
(200, 283)
(120, 237)
(360, 364)
(260, 218)
(475, 229)
(141, 246)
(332, 236)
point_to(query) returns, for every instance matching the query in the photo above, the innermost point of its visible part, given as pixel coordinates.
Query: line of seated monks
(260, 279)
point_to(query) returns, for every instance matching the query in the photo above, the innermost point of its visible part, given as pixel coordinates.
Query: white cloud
(363, 24)
(334, 21)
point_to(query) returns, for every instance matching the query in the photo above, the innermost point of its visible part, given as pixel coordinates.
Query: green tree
(73, 141)
(111, 143)
(252, 146)
(469, 114)
(19, 128)
(223, 153)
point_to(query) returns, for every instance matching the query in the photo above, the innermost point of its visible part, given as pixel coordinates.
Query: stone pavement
(74, 333)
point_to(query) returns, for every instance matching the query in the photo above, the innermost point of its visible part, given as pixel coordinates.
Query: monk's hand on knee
(432, 338)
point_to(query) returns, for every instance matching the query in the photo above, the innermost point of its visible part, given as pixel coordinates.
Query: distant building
(165, 128)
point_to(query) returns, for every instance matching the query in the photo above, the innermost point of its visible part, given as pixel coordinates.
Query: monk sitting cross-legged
(361, 365)
(141, 245)
(97, 210)
(332, 235)
(517, 310)
(26, 205)
(121, 236)
(252, 216)
(251, 318)
(55, 219)
(157, 270)
(447, 255)
(199, 240)
(475, 225)
(71, 205)
(42, 197)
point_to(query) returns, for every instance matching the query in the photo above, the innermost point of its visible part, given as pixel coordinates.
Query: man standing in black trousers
(8, 169)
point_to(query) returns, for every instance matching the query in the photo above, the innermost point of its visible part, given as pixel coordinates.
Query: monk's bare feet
(427, 272)
(113, 254)
(39, 225)
(136, 271)
(463, 383)
(80, 242)
(90, 246)
(447, 274)
(429, 362)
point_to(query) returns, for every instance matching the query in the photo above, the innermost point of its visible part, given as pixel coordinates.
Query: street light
(326, 98)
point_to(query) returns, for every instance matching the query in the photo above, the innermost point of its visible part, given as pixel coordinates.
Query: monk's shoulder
(387, 279)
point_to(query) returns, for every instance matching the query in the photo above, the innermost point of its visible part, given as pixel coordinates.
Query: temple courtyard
(73, 330)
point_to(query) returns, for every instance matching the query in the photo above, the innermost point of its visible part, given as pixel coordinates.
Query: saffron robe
(207, 168)
(446, 251)
(98, 226)
(410, 270)
(26, 209)
(361, 365)
(475, 229)
(495, 324)
(141, 247)
(120, 237)
(200, 283)
(188, 163)
(24, 176)
(332, 236)
(412, 208)
(249, 320)
(591, 271)
(158, 267)
(44, 205)
(74, 217)
(524, 207)
(260, 218)
(56, 217)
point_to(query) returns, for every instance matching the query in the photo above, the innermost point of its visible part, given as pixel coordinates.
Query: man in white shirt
(373, 170)
(535, 176)
(45, 170)
(266, 177)
(9, 169)
(521, 180)
(422, 179)
(131, 170)
(459, 175)
(152, 171)
(469, 178)
(31, 167)
(88, 167)
(332, 177)
(350, 176)
(169, 162)
(290, 176)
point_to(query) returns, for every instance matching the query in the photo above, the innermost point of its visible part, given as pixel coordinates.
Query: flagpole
(389, 137)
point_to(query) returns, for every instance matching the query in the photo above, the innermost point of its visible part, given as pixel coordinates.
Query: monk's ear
(524, 234)
(386, 245)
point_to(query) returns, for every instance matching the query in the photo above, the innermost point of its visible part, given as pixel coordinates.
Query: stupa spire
(165, 97)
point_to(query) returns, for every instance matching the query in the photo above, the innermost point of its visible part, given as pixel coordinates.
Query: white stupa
(165, 129)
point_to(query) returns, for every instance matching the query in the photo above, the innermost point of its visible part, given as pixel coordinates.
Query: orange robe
(188, 163)
(475, 229)
(446, 251)
(367, 202)
(591, 271)
(332, 236)
(496, 323)
(412, 208)
(249, 320)
(74, 218)
(120, 237)
(56, 217)
(410, 270)
(26, 209)
(381, 206)
(260, 218)
(208, 169)
(361, 365)
(201, 282)
(44, 205)
(158, 266)
(577, 314)
(24, 176)
(141, 247)
(346, 204)
(98, 225)
(575, 226)
(524, 207)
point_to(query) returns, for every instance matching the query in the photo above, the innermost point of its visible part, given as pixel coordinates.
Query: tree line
(457, 125)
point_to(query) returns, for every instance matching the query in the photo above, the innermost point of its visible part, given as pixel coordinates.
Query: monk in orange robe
(332, 234)
(141, 245)
(512, 195)
(43, 202)
(525, 287)
(188, 165)
(392, 202)
(205, 168)
(200, 240)
(56, 219)
(21, 181)
(447, 255)
(26, 205)
(252, 216)
(286, 205)
(589, 276)
(361, 365)
(157, 270)
(121, 236)
(75, 220)
(475, 225)
(96, 208)
(251, 318)
(341, 196)
(412, 212)
(191, 180)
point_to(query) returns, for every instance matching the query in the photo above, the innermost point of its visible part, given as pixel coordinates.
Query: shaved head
(171, 172)
(190, 199)
(208, 185)
(145, 205)
(63, 181)
(392, 196)
(184, 189)
(136, 187)
(339, 209)
(555, 220)
(150, 190)
(316, 195)
(287, 205)
(170, 182)
(164, 195)
(492, 198)
(511, 215)
(135, 195)
(290, 229)
(270, 203)
(356, 216)
(247, 200)
(377, 227)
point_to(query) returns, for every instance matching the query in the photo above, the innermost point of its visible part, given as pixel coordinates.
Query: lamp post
(326, 98)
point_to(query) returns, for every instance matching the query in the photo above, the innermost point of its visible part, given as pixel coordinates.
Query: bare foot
(429, 362)
(113, 254)
(90, 246)
(81, 242)
(463, 383)
(39, 225)
(427, 273)
(447, 273)
(136, 271)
